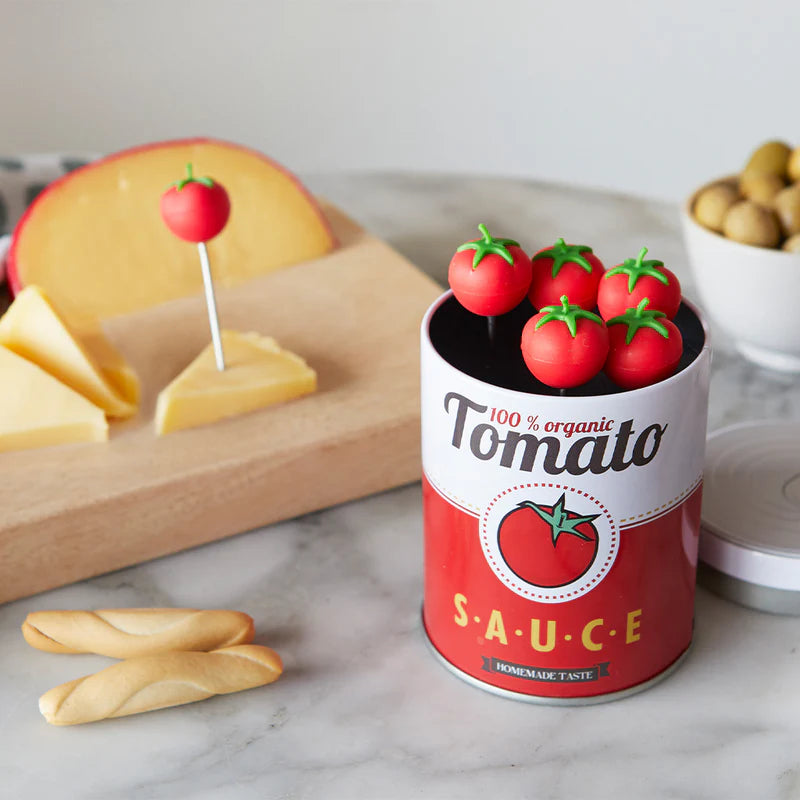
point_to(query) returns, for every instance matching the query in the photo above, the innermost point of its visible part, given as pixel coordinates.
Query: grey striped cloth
(21, 179)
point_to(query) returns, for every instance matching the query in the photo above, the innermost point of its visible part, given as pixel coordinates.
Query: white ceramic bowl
(750, 293)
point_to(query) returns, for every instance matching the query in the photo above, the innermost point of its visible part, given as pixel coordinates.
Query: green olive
(761, 187)
(712, 204)
(793, 167)
(749, 223)
(787, 207)
(792, 244)
(770, 157)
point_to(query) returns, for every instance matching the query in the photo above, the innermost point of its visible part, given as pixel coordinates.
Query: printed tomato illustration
(570, 269)
(644, 347)
(490, 276)
(195, 209)
(547, 545)
(564, 346)
(627, 284)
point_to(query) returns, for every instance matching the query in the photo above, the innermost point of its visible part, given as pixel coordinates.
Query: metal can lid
(751, 504)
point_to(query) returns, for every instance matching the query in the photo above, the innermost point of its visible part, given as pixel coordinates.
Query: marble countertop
(364, 710)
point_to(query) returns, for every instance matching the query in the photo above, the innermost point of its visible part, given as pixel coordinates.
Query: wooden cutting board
(70, 512)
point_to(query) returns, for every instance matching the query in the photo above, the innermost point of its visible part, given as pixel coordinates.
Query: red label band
(625, 628)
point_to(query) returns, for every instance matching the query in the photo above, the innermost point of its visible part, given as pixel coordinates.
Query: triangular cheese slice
(36, 410)
(33, 329)
(116, 370)
(257, 373)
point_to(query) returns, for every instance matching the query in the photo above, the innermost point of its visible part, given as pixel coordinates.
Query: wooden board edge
(152, 524)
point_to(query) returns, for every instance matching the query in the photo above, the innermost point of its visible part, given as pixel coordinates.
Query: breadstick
(130, 632)
(167, 679)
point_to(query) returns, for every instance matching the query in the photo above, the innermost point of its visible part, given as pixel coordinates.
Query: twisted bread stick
(130, 632)
(167, 679)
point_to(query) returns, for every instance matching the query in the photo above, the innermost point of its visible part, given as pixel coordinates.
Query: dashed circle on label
(608, 545)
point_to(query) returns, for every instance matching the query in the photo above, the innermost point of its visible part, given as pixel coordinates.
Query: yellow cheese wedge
(116, 370)
(33, 329)
(96, 243)
(36, 410)
(258, 373)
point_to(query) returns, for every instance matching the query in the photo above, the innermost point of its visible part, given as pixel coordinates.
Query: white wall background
(649, 98)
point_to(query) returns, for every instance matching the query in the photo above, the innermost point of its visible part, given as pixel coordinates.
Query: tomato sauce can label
(561, 533)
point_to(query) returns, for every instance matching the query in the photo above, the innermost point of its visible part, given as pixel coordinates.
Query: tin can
(561, 532)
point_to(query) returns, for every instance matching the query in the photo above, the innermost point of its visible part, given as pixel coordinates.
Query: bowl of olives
(742, 233)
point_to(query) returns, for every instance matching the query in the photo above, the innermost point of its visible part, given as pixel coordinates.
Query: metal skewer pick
(196, 209)
(211, 303)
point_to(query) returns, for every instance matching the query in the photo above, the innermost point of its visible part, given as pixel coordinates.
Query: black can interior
(461, 338)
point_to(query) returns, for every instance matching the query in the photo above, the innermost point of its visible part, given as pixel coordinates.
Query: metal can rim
(643, 391)
(544, 700)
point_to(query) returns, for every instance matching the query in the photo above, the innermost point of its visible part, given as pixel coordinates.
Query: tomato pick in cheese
(257, 373)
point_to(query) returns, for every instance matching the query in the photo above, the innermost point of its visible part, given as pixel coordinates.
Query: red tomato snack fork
(489, 276)
(196, 210)
(625, 285)
(644, 347)
(570, 269)
(564, 346)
